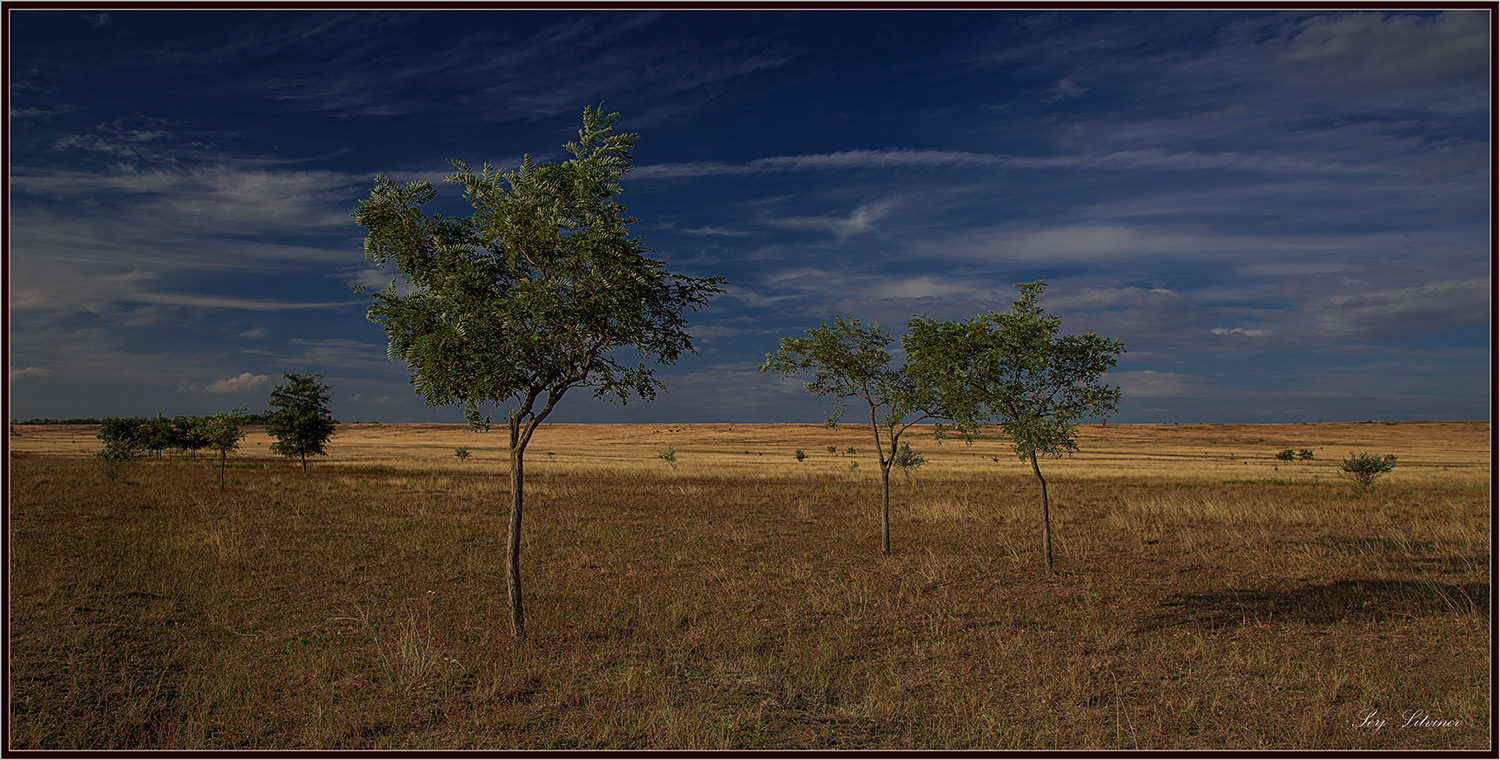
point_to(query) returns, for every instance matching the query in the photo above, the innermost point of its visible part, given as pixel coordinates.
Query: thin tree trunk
(304, 461)
(513, 543)
(885, 508)
(222, 459)
(1046, 515)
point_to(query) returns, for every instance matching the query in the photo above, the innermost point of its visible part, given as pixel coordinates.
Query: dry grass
(739, 600)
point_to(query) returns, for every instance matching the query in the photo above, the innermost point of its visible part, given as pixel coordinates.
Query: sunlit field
(1208, 595)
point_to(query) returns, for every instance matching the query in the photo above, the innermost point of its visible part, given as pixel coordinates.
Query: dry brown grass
(739, 600)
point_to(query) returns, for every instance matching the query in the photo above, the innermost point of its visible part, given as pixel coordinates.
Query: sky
(1283, 215)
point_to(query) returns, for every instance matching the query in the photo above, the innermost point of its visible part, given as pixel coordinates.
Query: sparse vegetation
(734, 608)
(462, 452)
(1285, 455)
(669, 456)
(800, 455)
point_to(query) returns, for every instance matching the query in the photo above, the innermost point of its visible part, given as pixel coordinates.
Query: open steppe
(1207, 594)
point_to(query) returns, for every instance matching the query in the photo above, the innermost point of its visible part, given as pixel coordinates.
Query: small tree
(223, 434)
(850, 361)
(462, 452)
(799, 455)
(116, 454)
(1363, 468)
(301, 422)
(535, 294)
(1014, 368)
(1285, 455)
(908, 459)
(1304, 454)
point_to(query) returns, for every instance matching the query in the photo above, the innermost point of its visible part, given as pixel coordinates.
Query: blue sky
(1284, 216)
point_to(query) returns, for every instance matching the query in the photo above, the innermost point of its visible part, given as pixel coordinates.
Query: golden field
(1208, 595)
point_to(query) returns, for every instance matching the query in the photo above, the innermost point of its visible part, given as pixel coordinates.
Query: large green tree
(541, 290)
(301, 422)
(1016, 369)
(850, 361)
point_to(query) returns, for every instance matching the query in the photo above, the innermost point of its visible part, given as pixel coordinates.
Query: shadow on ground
(1369, 600)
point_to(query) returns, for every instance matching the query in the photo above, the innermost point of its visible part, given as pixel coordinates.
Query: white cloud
(1249, 333)
(1150, 383)
(25, 372)
(242, 382)
(1376, 51)
(1066, 89)
(1385, 314)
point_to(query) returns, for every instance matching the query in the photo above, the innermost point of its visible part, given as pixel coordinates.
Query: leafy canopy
(850, 361)
(302, 423)
(536, 291)
(1015, 368)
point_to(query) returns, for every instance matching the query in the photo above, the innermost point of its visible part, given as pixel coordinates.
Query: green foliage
(223, 434)
(847, 360)
(120, 429)
(1363, 468)
(800, 455)
(533, 294)
(1304, 454)
(462, 452)
(301, 422)
(116, 454)
(1016, 369)
(850, 361)
(669, 456)
(907, 458)
(1285, 455)
(833, 449)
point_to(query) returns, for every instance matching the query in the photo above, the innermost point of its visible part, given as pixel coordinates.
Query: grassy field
(1208, 595)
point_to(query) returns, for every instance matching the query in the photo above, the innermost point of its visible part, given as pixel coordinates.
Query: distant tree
(1014, 368)
(301, 422)
(156, 434)
(1286, 455)
(533, 295)
(1363, 468)
(223, 434)
(850, 361)
(120, 429)
(187, 432)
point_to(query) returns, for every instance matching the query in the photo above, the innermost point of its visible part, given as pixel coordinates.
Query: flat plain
(1208, 595)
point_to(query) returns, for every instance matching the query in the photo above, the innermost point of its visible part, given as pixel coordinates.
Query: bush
(1364, 468)
(462, 452)
(907, 458)
(1285, 455)
(800, 455)
(116, 454)
(1304, 454)
(669, 456)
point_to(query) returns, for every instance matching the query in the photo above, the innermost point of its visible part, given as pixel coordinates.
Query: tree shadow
(1420, 556)
(1361, 601)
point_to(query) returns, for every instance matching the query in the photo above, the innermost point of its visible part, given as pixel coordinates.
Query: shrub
(1304, 454)
(833, 449)
(462, 452)
(1285, 455)
(1363, 468)
(669, 456)
(116, 454)
(800, 455)
(907, 458)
